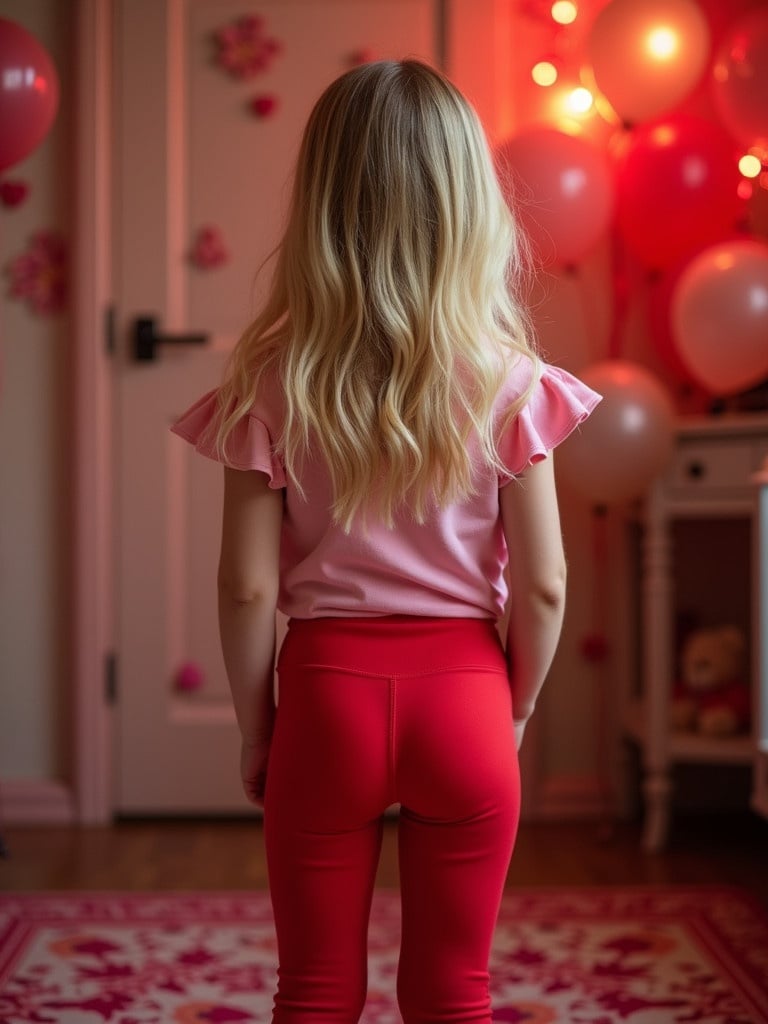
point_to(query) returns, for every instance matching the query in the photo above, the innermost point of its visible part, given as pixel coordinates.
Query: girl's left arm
(248, 582)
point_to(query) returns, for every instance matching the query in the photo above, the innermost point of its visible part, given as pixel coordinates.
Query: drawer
(712, 467)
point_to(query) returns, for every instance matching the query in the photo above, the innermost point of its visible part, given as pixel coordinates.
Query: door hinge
(110, 678)
(109, 330)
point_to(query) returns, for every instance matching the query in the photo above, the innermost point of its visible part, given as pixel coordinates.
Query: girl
(386, 427)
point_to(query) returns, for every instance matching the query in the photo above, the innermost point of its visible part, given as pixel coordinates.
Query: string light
(662, 43)
(564, 12)
(579, 101)
(544, 73)
(750, 165)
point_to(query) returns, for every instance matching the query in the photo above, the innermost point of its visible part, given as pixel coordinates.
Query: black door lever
(146, 339)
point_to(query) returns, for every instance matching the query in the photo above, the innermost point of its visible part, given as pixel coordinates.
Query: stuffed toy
(712, 695)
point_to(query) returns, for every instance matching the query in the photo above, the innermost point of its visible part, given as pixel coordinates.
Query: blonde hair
(391, 316)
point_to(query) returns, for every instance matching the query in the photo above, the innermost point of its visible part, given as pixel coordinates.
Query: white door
(202, 161)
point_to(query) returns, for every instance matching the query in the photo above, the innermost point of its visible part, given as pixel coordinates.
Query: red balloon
(29, 93)
(740, 80)
(678, 182)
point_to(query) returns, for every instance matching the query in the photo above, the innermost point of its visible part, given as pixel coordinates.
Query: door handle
(146, 339)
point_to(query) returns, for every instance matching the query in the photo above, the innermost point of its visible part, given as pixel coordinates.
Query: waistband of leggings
(393, 644)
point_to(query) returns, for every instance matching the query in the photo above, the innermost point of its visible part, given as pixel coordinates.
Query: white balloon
(720, 316)
(627, 441)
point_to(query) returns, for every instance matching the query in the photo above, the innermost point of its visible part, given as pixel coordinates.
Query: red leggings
(372, 712)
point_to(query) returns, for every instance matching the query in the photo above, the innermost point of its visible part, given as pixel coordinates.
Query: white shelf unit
(711, 477)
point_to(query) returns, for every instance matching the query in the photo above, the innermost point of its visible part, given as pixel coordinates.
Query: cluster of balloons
(671, 191)
(29, 93)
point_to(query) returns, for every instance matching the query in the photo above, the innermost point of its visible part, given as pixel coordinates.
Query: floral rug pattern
(569, 956)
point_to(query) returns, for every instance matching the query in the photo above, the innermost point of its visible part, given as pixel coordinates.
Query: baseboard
(36, 802)
(569, 798)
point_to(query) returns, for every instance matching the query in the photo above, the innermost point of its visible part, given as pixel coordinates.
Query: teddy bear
(712, 696)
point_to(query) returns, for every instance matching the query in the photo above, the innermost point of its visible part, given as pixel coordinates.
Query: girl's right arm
(248, 589)
(537, 571)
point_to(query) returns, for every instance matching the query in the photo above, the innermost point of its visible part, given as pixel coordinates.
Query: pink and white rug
(561, 956)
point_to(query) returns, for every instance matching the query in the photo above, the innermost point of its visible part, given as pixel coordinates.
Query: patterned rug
(568, 956)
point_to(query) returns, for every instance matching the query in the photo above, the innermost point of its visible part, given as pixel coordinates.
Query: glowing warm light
(579, 101)
(724, 261)
(544, 73)
(568, 126)
(564, 12)
(744, 190)
(750, 165)
(662, 43)
(664, 135)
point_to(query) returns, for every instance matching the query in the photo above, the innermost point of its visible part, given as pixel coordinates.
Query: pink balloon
(647, 55)
(677, 190)
(29, 93)
(740, 80)
(561, 187)
(720, 316)
(628, 439)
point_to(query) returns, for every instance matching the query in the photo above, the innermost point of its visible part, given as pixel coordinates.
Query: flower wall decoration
(38, 275)
(264, 105)
(243, 47)
(365, 55)
(189, 677)
(13, 193)
(209, 249)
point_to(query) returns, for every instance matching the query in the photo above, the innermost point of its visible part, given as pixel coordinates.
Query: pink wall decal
(244, 48)
(13, 193)
(209, 249)
(190, 677)
(364, 55)
(38, 275)
(264, 105)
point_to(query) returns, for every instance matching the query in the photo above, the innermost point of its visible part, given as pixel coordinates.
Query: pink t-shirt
(452, 565)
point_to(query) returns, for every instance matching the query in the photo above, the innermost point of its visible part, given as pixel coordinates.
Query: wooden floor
(195, 855)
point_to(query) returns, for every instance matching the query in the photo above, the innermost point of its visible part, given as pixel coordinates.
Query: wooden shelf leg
(658, 669)
(657, 790)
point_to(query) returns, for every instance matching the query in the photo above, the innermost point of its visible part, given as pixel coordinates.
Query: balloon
(647, 55)
(567, 197)
(740, 80)
(29, 93)
(628, 439)
(720, 316)
(661, 335)
(677, 189)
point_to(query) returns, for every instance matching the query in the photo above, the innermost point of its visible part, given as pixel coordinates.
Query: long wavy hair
(392, 316)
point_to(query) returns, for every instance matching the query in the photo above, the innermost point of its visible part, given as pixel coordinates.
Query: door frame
(463, 28)
(91, 388)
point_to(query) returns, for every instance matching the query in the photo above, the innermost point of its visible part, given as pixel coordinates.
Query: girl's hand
(253, 769)
(519, 731)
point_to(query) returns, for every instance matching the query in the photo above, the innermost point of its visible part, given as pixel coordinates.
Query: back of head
(391, 307)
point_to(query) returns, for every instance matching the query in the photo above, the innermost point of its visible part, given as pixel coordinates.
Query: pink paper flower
(38, 275)
(594, 647)
(244, 48)
(365, 55)
(13, 193)
(189, 677)
(264, 105)
(209, 249)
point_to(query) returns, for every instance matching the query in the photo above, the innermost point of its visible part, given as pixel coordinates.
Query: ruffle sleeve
(558, 404)
(249, 446)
